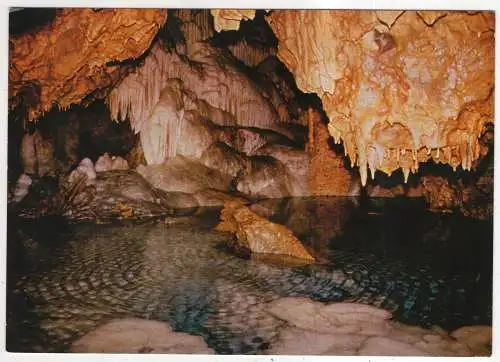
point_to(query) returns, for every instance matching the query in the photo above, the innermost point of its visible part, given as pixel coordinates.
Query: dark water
(64, 280)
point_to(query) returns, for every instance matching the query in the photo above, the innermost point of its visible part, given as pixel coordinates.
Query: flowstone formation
(399, 88)
(79, 52)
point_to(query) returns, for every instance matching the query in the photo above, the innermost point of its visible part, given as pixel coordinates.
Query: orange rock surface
(398, 87)
(259, 235)
(229, 19)
(69, 58)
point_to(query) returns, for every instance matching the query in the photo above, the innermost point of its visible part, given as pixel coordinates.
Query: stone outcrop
(184, 175)
(133, 335)
(258, 235)
(314, 328)
(86, 47)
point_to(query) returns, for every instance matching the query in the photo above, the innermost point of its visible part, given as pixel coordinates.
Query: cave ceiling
(398, 87)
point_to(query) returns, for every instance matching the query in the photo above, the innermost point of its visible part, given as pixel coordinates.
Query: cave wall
(390, 90)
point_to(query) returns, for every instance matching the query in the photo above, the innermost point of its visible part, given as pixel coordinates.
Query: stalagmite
(28, 153)
(22, 186)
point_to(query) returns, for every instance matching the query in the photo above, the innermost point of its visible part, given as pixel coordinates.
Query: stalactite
(250, 55)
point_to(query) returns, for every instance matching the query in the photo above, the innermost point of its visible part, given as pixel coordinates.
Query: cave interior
(369, 132)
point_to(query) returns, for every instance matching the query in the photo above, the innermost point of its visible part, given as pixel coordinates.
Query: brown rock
(478, 338)
(139, 336)
(82, 41)
(185, 175)
(259, 235)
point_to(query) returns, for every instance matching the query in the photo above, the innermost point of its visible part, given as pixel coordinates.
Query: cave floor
(66, 279)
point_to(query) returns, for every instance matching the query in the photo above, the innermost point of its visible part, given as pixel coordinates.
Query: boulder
(312, 327)
(265, 177)
(258, 235)
(133, 335)
(184, 174)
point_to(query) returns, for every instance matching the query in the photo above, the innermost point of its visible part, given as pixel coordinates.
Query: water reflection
(393, 254)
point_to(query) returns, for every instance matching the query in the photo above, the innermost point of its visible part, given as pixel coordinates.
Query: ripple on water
(177, 274)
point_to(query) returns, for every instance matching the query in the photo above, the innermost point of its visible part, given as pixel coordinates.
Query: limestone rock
(381, 346)
(295, 341)
(478, 338)
(82, 41)
(119, 163)
(184, 175)
(223, 158)
(296, 162)
(265, 177)
(398, 89)
(211, 197)
(103, 163)
(21, 189)
(133, 335)
(258, 235)
(229, 19)
(113, 194)
(28, 153)
(356, 329)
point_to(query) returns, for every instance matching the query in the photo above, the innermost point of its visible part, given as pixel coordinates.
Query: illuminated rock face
(398, 87)
(167, 93)
(69, 58)
(229, 19)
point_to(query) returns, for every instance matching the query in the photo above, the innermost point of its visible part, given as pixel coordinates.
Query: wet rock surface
(258, 235)
(134, 335)
(314, 328)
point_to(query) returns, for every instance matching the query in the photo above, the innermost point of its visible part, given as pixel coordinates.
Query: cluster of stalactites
(213, 87)
(248, 54)
(370, 156)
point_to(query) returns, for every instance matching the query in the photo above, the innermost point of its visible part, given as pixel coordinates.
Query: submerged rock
(315, 328)
(258, 235)
(133, 335)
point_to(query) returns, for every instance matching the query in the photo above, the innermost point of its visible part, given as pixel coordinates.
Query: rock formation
(398, 88)
(258, 235)
(133, 335)
(228, 89)
(314, 328)
(77, 53)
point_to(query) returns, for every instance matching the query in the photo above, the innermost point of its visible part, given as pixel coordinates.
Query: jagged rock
(132, 335)
(103, 163)
(258, 235)
(106, 163)
(76, 64)
(113, 194)
(85, 169)
(184, 175)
